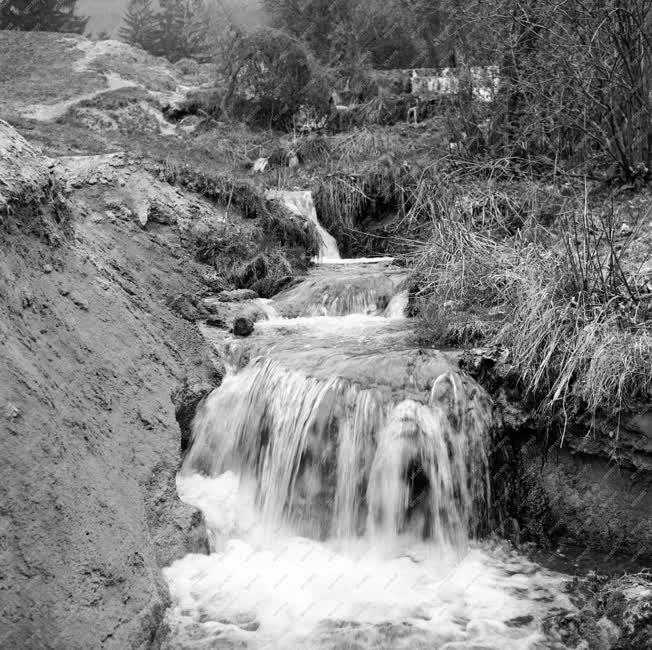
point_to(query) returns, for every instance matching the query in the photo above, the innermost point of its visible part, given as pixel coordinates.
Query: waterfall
(331, 458)
(301, 204)
(340, 294)
(343, 475)
(397, 306)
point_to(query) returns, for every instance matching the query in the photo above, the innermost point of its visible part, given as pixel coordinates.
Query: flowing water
(301, 204)
(343, 476)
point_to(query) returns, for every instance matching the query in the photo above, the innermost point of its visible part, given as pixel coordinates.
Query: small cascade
(342, 472)
(397, 306)
(328, 456)
(336, 290)
(301, 204)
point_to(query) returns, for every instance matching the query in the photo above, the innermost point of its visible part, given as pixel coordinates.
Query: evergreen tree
(41, 15)
(182, 30)
(178, 31)
(140, 27)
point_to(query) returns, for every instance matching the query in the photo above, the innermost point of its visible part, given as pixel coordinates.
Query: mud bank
(91, 353)
(586, 486)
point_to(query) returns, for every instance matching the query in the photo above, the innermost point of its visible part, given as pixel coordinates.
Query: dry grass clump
(269, 244)
(579, 328)
(223, 189)
(385, 110)
(246, 257)
(345, 199)
(379, 179)
(263, 270)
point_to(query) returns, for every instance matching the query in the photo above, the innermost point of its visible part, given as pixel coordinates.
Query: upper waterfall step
(301, 204)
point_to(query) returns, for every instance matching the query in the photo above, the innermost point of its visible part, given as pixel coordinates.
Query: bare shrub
(271, 77)
(575, 80)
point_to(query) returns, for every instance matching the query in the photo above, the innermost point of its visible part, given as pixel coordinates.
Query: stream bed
(342, 471)
(298, 465)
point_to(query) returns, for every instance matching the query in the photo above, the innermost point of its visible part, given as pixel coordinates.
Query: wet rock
(582, 629)
(237, 295)
(520, 621)
(214, 320)
(269, 287)
(186, 399)
(478, 362)
(245, 621)
(167, 512)
(243, 326)
(216, 308)
(627, 602)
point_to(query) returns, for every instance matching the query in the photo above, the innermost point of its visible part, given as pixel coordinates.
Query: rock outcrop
(243, 326)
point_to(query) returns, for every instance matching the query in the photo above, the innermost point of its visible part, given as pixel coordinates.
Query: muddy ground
(91, 354)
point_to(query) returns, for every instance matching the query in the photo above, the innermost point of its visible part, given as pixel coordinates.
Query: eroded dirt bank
(90, 355)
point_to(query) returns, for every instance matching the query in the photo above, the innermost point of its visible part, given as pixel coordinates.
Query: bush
(272, 78)
(575, 82)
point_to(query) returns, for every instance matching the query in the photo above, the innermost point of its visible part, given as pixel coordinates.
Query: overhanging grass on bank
(261, 245)
(567, 300)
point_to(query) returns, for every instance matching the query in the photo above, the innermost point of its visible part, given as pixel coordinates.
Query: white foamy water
(344, 480)
(270, 589)
(346, 290)
(350, 261)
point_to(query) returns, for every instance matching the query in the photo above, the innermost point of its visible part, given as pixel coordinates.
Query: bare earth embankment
(91, 353)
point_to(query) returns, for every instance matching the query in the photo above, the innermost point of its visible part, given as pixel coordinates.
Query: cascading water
(342, 473)
(325, 448)
(301, 204)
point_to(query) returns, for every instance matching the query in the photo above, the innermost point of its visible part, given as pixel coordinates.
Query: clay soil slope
(89, 355)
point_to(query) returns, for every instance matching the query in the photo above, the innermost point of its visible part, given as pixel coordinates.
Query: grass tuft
(568, 302)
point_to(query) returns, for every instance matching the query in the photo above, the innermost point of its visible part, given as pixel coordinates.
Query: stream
(343, 476)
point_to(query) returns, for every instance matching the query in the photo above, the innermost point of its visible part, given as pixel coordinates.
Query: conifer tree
(140, 25)
(41, 15)
(182, 30)
(179, 30)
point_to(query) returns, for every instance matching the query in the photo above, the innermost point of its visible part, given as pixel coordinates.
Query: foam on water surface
(343, 474)
(272, 589)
